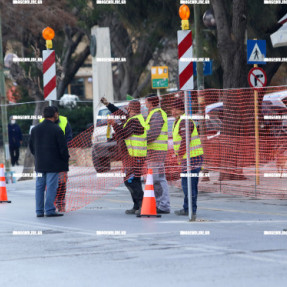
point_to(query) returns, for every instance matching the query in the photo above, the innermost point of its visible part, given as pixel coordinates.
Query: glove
(104, 101)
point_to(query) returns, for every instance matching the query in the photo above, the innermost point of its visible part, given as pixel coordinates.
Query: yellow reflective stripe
(160, 141)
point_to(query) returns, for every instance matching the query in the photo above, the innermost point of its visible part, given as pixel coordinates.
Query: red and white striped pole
(49, 74)
(49, 66)
(185, 66)
(184, 42)
(185, 70)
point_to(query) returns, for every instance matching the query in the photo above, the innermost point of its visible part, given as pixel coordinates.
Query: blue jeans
(194, 184)
(49, 179)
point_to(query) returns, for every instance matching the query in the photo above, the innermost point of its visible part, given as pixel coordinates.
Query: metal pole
(198, 46)
(187, 140)
(256, 134)
(200, 76)
(3, 105)
(158, 92)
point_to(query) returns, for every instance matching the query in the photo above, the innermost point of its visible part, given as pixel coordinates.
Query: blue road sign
(207, 68)
(256, 51)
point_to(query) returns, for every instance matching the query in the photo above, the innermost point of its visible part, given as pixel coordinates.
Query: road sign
(257, 78)
(256, 51)
(207, 68)
(185, 66)
(49, 74)
(159, 77)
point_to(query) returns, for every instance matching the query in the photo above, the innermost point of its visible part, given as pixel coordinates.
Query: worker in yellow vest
(65, 126)
(157, 145)
(132, 139)
(196, 155)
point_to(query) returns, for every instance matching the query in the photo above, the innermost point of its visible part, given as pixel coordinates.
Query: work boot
(181, 212)
(138, 212)
(130, 211)
(193, 217)
(159, 211)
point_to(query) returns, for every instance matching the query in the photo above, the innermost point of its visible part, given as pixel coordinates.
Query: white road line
(222, 221)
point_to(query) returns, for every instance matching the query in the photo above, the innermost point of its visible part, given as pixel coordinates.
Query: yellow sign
(159, 77)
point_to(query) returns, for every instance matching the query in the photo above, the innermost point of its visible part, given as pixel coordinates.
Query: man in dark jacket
(15, 140)
(49, 147)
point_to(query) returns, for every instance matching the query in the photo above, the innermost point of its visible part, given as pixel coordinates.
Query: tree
(139, 30)
(231, 20)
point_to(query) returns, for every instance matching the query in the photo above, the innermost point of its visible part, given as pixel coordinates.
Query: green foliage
(79, 117)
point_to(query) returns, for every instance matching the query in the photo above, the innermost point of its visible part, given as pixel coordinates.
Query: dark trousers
(14, 154)
(194, 189)
(134, 185)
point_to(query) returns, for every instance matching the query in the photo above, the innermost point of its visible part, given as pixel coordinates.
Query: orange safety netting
(225, 120)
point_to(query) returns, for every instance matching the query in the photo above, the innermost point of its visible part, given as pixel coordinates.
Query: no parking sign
(257, 78)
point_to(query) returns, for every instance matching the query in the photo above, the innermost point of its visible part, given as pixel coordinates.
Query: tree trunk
(233, 60)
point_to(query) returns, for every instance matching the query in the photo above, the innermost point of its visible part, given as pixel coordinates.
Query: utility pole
(198, 48)
(200, 76)
(3, 103)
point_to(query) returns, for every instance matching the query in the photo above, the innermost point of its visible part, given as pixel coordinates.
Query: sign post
(185, 69)
(49, 67)
(256, 52)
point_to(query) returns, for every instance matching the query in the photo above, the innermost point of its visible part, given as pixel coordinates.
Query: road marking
(206, 221)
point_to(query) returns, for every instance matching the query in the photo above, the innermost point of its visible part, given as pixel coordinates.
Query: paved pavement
(166, 251)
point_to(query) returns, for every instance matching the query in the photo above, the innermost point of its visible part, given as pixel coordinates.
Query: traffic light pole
(3, 105)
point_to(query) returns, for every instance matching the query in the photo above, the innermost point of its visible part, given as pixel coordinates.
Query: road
(73, 251)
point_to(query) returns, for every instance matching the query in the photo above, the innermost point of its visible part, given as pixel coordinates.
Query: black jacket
(49, 147)
(15, 135)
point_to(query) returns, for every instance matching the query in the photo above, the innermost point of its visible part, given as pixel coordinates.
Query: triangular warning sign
(256, 55)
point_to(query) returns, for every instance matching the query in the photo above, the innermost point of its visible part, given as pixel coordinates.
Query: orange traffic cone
(149, 204)
(3, 192)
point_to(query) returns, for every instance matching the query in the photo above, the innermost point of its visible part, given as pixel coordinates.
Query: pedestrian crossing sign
(256, 51)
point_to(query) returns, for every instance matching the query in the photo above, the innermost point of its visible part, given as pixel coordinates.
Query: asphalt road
(99, 245)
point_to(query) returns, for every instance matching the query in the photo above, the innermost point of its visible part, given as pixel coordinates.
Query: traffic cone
(149, 203)
(3, 192)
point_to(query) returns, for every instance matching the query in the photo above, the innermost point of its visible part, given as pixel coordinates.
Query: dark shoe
(54, 214)
(193, 217)
(181, 212)
(159, 211)
(138, 212)
(40, 215)
(130, 211)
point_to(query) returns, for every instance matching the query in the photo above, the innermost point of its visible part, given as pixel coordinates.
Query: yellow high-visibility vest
(63, 121)
(137, 144)
(195, 143)
(161, 141)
